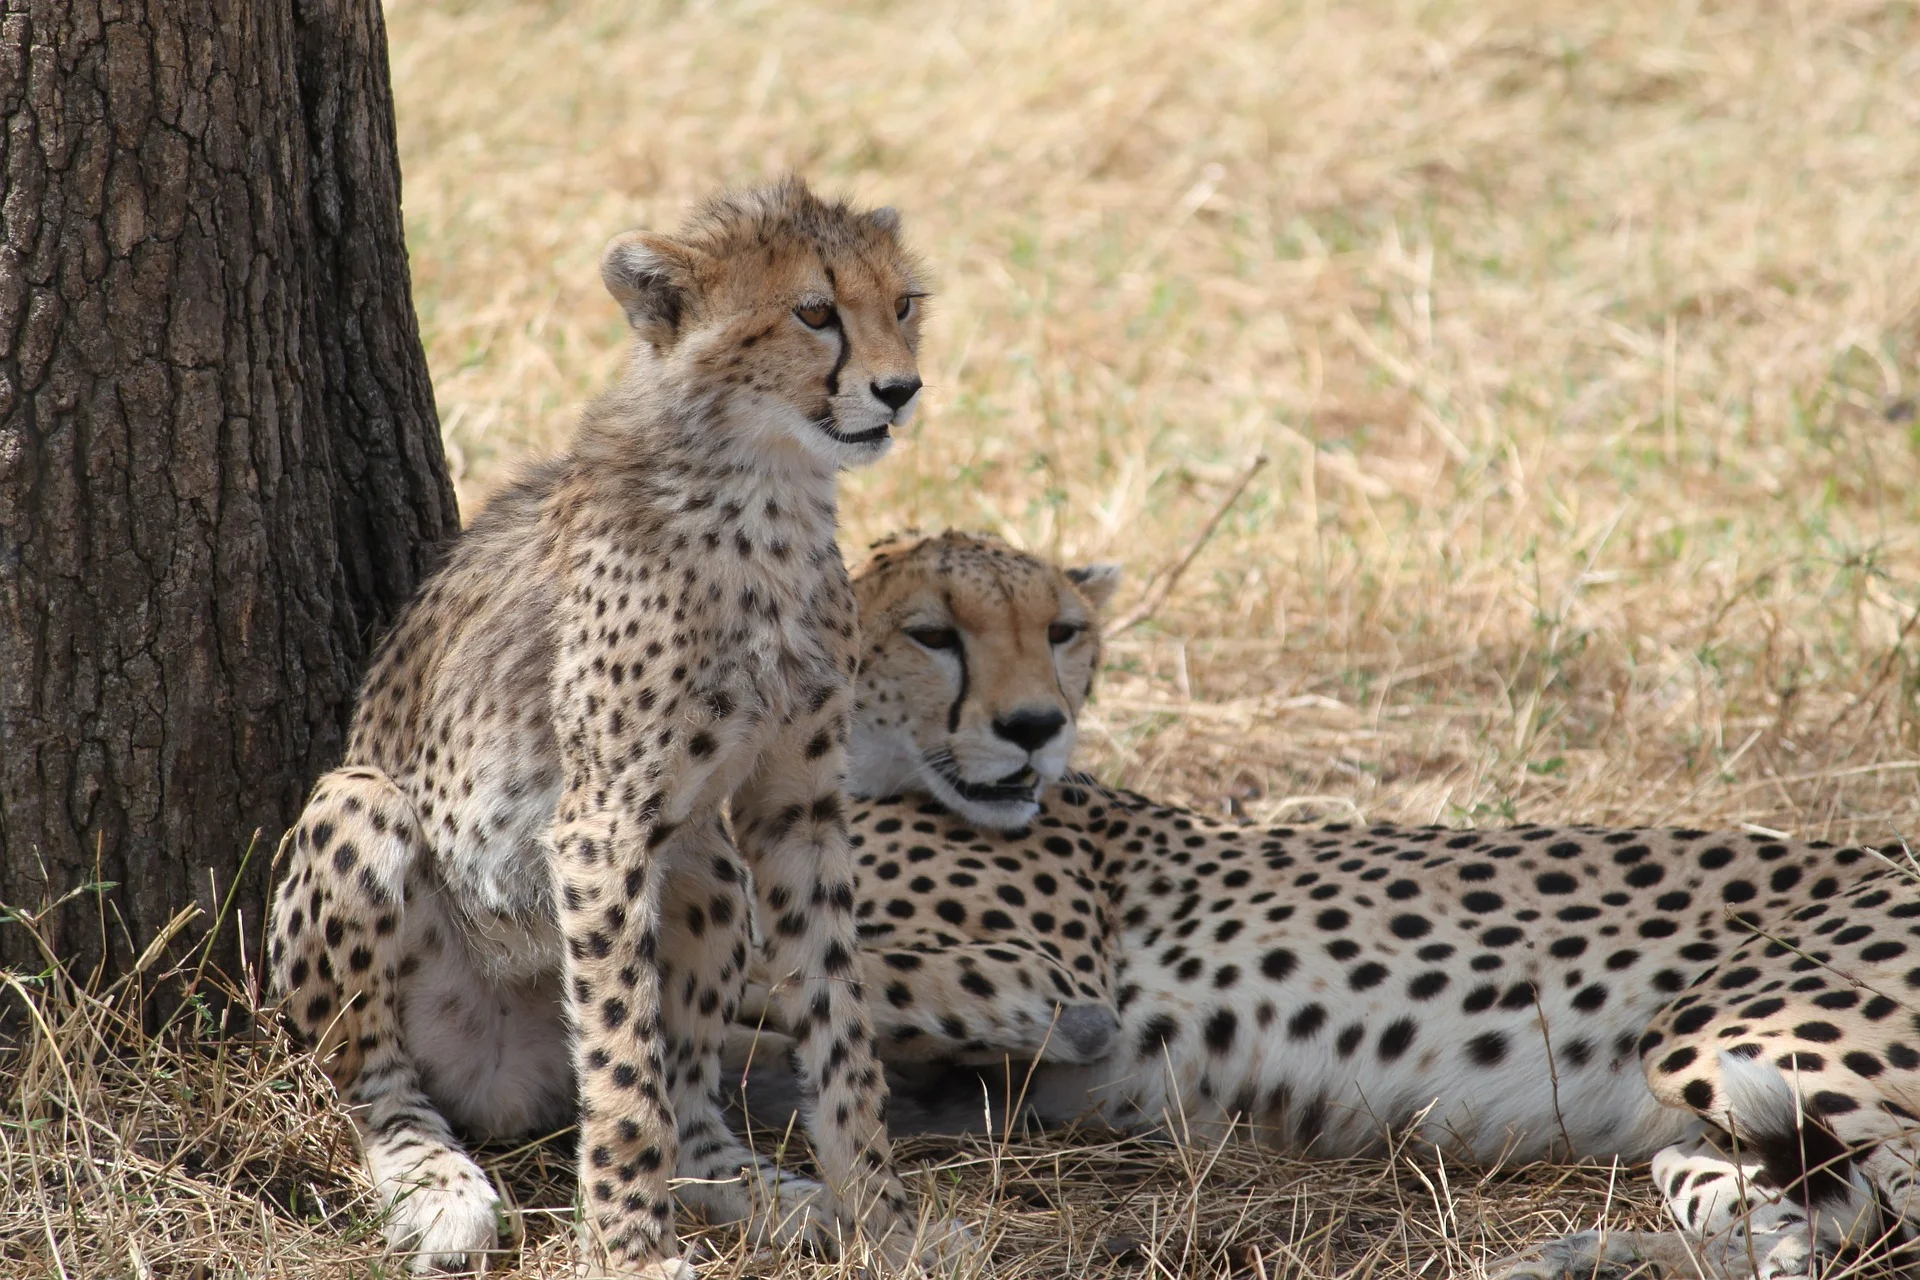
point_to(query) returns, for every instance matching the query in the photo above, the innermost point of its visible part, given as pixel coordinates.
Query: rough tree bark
(220, 468)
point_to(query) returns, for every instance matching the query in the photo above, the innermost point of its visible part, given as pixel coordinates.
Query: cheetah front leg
(977, 1003)
(610, 886)
(705, 946)
(792, 828)
(982, 1002)
(339, 918)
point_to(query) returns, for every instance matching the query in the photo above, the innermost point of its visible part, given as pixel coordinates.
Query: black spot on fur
(1397, 1038)
(1410, 926)
(1367, 976)
(1159, 1032)
(1488, 1049)
(1303, 1024)
(1220, 1030)
(1278, 963)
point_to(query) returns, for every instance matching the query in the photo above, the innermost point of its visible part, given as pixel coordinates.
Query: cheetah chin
(1005, 804)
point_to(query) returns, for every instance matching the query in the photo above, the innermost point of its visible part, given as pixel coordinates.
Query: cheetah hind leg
(336, 955)
(705, 931)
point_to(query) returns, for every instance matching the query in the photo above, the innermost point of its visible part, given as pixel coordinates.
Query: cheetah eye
(815, 315)
(934, 637)
(1061, 632)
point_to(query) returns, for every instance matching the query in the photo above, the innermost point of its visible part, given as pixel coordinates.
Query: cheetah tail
(1802, 1154)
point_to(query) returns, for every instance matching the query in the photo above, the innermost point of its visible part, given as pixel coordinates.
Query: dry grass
(1580, 338)
(211, 1150)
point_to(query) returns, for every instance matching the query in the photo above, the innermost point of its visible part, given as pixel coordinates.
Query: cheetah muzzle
(976, 661)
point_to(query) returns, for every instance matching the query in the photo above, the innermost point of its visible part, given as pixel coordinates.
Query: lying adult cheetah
(1537, 991)
(521, 876)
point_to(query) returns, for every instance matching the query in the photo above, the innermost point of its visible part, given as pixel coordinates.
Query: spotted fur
(1529, 992)
(518, 896)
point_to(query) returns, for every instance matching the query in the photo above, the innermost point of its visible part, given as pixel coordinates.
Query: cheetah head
(975, 660)
(791, 322)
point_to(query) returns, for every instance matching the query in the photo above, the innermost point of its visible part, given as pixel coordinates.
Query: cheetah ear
(651, 277)
(886, 218)
(1097, 582)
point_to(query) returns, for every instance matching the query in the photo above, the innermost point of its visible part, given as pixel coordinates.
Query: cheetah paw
(441, 1212)
(1789, 1255)
(662, 1269)
(769, 1205)
(796, 1209)
(1592, 1255)
(941, 1248)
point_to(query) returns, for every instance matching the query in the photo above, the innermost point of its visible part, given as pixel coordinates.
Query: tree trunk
(220, 468)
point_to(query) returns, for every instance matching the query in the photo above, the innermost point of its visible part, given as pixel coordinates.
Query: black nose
(1030, 729)
(896, 393)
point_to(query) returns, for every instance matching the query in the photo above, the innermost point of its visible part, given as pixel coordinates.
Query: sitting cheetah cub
(519, 895)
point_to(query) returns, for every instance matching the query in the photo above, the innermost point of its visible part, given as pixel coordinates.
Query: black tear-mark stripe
(846, 350)
(840, 361)
(960, 651)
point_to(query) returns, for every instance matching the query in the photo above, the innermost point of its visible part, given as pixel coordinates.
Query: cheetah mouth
(871, 436)
(1021, 785)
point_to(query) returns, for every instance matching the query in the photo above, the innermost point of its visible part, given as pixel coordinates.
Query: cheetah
(1736, 1006)
(518, 900)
